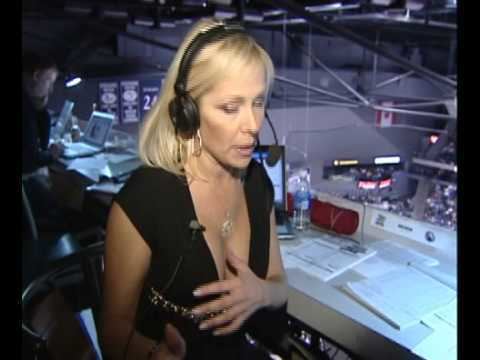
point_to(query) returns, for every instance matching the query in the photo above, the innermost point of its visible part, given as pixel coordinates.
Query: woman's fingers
(234, 325)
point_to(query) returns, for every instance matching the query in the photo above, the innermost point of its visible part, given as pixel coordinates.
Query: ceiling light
(220, 2)
(72, 81)
(382, 160)
(273, 12)
(143, 21)
(224, 13)
(78, 10)
(117, 14)
(253, 16)
(166, 25)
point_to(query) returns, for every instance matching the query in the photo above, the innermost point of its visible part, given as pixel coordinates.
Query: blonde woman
(192, 260)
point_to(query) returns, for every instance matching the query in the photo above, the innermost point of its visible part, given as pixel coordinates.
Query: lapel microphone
(196, 226)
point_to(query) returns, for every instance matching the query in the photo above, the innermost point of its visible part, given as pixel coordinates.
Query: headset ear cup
(192, 115)
(184, 115)
(173, 111)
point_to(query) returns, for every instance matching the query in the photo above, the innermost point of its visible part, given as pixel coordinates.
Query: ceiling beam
(335, 29)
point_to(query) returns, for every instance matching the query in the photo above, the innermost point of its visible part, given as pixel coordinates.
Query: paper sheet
(402, 297)
(118, 158)
(375, 266)
(447, 279)
(87, 163)
(396, 253)
(449, 313)
(322, 259)
(441, 344)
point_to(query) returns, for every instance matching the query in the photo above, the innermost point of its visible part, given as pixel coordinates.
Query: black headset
(182, 108)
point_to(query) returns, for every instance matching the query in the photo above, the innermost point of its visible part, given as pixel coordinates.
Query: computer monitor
(98, 128)
(272, 157)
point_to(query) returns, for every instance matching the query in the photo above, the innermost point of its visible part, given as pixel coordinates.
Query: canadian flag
(385, 118)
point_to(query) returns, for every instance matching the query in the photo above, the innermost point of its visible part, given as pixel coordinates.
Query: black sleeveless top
(160, 206)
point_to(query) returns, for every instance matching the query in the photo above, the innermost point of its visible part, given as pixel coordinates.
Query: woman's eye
(229, 109)
(259, 103)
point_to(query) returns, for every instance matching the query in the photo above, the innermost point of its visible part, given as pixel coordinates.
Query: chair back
(51, 328)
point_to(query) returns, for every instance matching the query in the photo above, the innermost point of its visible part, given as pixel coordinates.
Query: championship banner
(108, 98)
(129, 91)
(385, 118)
(150, 90)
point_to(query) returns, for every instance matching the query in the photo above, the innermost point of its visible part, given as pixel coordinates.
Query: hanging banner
(150, 90)
(108, 100)
(129, 91)
(385, 118)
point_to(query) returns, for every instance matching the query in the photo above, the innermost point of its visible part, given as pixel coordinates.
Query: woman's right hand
(173, 347)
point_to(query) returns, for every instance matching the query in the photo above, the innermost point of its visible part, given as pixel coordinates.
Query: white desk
(329, 310)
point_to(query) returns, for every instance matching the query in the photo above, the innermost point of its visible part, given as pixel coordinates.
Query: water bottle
(302, 202)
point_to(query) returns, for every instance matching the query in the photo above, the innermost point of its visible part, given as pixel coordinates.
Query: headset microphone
(274, 151)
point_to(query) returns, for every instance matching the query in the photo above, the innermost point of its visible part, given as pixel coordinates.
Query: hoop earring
(179, 150)
(197, 144)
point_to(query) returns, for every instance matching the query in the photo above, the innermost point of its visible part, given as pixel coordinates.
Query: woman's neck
(206, 168)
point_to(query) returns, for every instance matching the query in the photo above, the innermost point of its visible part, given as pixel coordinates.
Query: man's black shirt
(35, 136)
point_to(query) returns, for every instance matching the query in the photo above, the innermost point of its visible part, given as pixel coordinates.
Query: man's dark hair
(32, 61)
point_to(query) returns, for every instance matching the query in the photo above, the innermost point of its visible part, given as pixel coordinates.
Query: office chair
(50, 301)
(42, 250)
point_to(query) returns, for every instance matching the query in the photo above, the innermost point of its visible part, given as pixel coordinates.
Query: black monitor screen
(276, 172)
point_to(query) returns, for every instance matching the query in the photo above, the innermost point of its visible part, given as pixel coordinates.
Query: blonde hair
(159, 145)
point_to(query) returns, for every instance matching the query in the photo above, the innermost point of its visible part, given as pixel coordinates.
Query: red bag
(290, 204)
(328, 216)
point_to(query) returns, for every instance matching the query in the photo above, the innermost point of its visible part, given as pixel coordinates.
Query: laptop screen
(275, 170)
(64, 117)
(98, 128)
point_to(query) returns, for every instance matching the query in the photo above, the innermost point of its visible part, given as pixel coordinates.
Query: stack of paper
(402, 297)
(323, 259)
(441, 344)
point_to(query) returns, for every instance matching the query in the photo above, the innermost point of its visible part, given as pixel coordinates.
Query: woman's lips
(245, 150)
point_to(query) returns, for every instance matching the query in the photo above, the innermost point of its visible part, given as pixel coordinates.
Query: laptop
(62, 121)
(272, 157)
(94, 138)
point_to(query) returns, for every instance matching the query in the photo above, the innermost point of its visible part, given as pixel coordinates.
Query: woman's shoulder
(149, 174)
(147, 181)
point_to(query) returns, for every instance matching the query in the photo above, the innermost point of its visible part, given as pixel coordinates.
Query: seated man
(39, 74)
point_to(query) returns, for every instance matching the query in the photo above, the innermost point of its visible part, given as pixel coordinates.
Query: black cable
(273, 129)
(194, 227)
(275, 152)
